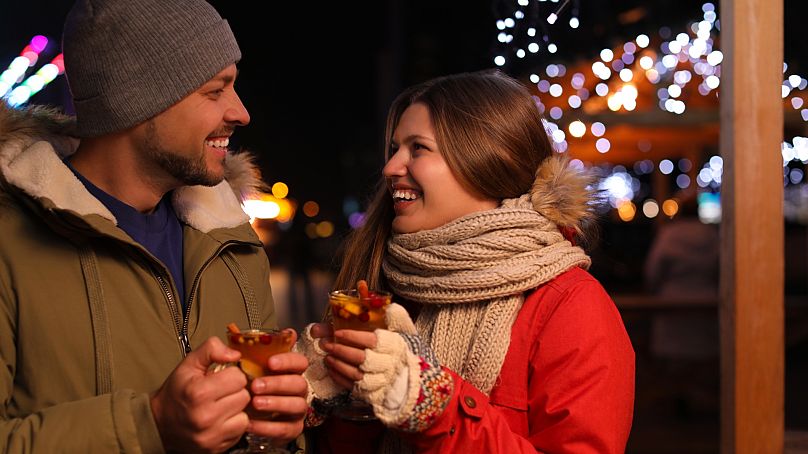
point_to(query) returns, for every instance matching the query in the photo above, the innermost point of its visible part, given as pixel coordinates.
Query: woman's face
(425, 193)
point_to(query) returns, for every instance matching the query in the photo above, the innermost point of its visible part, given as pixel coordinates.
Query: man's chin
(204, 180)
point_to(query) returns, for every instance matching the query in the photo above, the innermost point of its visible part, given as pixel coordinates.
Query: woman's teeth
(400, 194)
(220, 143)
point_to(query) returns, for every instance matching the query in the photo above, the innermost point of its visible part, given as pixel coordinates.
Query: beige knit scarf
(470, 275)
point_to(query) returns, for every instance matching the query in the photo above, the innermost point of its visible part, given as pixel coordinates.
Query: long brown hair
(490, 134)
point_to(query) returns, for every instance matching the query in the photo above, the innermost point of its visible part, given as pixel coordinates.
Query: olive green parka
(90, 322)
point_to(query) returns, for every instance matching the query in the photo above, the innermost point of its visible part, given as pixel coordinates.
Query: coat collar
(34, 141)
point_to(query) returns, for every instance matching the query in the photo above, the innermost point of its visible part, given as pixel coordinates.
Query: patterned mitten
(323, 393)
(404, 382)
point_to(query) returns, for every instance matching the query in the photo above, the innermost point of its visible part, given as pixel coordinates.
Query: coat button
(452, 431)
(470, 402)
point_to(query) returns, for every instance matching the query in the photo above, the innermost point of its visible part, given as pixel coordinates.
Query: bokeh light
(280, 190)
(311, 208)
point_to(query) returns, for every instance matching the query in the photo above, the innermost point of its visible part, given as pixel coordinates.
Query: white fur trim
(40, 173)
(206, 208)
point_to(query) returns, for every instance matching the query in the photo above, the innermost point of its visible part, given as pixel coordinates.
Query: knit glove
(403, 381)
(324, 395)
(398, 320)
(321, 386)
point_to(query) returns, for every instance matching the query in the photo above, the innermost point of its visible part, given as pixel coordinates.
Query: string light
(680, 63)
(18, 67)
(551, 19)
(528, 17)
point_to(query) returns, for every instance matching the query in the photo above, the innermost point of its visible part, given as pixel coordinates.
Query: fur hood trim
(563, 194)
(35, 140)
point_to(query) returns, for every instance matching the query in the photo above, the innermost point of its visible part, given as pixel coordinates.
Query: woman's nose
(396, 165)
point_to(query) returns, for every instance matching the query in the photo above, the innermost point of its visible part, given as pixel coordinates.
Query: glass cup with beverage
(256, 347)
(359, 309)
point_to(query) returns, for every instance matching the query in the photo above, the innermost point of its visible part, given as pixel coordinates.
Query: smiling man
(126, 251)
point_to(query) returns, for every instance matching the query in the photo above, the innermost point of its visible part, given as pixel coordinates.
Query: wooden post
(752, 332)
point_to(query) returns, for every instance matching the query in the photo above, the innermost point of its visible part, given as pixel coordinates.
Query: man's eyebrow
(226, 78)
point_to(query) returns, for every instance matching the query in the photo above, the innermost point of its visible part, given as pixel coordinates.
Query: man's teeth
(405, 194)
(221, 143)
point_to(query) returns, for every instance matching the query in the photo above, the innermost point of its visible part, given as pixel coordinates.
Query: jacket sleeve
(580, 389)
(117, 422)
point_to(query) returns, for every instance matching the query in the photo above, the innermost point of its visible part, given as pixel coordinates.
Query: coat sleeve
(118, 422)
(580, 388)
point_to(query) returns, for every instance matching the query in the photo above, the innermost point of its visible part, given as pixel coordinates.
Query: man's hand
(282, 397)
(200, 412)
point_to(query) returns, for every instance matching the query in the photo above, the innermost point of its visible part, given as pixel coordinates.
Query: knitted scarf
(470, 276)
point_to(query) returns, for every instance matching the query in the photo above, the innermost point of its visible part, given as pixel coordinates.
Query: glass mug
(361, 311)
(256, 347)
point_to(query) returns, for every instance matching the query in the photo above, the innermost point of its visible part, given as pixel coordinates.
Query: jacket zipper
(182, 328)
(182, 336)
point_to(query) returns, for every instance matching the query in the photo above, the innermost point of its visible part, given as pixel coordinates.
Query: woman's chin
(404, 224)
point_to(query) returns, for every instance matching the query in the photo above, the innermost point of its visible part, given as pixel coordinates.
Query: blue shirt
(160, 231)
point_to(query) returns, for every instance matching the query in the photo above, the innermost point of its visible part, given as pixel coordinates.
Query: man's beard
(187, 169)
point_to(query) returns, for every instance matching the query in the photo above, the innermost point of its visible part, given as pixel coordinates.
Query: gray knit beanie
(128, 60)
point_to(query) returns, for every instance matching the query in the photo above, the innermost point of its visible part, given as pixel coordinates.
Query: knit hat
(128, 60)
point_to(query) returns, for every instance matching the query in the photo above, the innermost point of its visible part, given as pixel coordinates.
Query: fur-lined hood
(35, 140)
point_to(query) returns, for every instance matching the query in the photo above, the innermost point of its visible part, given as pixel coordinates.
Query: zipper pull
(186, 343)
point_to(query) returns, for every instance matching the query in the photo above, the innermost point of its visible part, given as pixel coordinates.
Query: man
(125, 251)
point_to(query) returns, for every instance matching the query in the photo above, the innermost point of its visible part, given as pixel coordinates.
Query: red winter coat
(567, 384)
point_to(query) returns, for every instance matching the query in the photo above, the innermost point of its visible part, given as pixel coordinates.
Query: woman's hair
(490, 133)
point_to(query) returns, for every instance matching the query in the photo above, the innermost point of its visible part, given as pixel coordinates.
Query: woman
(517, 347)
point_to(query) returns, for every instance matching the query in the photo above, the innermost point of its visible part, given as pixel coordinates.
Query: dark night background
(317, 77)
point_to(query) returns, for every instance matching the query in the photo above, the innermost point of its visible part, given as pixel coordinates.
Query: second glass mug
(363, 311)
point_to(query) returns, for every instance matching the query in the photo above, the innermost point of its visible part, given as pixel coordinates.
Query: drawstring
(98, 314)
(253, 315)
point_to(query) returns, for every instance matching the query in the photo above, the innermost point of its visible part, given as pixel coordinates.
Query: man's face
(187, 143)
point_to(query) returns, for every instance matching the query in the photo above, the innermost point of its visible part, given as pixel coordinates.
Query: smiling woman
(457, 145)
(473, 230)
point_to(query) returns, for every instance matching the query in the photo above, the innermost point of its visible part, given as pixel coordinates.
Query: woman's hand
(321, 330)
(346, 352)
(387, 368)
(321, 386)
